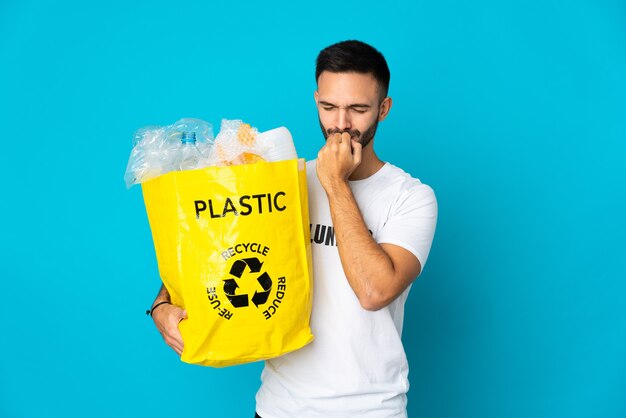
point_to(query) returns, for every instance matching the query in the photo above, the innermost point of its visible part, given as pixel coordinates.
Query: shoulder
(312, 181)
(311, 170)
(310, 166)
(405, 185)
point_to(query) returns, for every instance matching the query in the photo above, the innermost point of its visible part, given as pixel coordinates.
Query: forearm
(367, 267)
(162, 296)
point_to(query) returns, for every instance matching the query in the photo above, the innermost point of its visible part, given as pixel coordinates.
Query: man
(371, 227)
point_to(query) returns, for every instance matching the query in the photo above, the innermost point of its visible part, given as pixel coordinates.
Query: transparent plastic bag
(236, 144)
(189, 144)
(158, 150)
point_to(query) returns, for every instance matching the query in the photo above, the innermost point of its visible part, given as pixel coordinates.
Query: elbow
(374, 301)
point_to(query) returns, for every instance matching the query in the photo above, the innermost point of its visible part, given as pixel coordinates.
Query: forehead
(347, 88)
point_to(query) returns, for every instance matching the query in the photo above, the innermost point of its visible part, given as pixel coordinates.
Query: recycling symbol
(239, 267)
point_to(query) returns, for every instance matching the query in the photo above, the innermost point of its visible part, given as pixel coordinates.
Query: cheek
(327, 120)
(366, 121)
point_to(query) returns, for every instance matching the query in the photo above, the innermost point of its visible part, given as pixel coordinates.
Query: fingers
(344, 144)
(339, 142)
(167, 321)
(337, 159)
(339, 138)
(334, 138)
(172, 335)
(176, 337)
(331, 148)
(357, 149)
(175, 344)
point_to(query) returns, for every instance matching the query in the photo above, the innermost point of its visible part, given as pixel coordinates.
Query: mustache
(352, 132)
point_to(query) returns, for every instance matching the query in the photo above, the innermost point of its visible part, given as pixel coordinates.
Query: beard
(362, 138)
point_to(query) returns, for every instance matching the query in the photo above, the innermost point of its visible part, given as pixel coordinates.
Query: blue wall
(514, 112)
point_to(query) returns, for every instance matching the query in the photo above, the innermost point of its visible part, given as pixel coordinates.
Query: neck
(370, 164)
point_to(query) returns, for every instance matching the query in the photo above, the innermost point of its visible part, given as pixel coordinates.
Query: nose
(343, 119)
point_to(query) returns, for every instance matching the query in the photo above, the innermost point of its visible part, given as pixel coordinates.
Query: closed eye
(358, 108)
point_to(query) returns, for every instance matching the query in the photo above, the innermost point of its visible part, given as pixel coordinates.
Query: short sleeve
(412, 221)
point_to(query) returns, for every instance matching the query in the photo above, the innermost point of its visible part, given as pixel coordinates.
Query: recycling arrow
(237, 270)
(230, 286)
(238, 301)
(260, 298)
(239, 266)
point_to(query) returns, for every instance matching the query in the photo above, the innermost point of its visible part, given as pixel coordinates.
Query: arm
(166, 317)
(376, 273)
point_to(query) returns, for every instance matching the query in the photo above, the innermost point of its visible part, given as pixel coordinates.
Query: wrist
(157, 303)
(337, 186)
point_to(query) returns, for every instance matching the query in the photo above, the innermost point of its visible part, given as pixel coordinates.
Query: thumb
(183, 316)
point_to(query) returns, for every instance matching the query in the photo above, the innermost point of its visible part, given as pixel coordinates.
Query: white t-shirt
(356, 366)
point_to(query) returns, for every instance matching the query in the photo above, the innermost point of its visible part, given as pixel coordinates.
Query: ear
(385, 107)
(315, 96)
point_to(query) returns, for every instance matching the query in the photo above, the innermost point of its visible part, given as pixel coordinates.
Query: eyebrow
(352, 106)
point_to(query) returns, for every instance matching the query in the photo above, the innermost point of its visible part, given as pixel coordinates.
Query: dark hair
(354, 57)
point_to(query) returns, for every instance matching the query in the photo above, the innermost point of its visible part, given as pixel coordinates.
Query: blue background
(514, 112)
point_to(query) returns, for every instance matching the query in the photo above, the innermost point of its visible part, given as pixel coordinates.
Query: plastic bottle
(190, 154)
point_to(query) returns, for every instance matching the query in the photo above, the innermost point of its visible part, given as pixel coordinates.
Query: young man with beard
(383, 222)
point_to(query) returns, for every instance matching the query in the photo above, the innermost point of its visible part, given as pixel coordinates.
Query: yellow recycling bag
(233, 249)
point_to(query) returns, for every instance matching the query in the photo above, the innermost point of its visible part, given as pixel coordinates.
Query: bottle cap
(188, 138)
